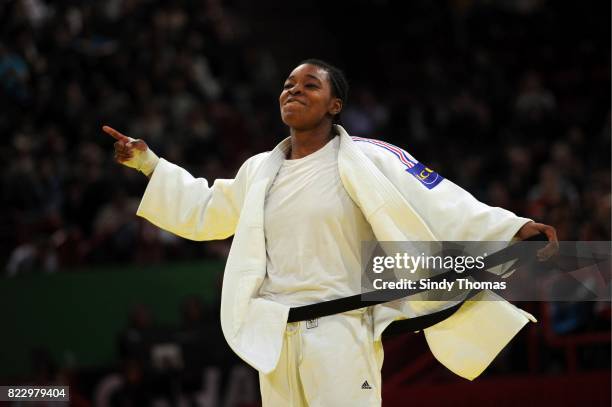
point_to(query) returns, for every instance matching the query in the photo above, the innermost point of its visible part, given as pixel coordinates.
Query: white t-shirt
(313, 232)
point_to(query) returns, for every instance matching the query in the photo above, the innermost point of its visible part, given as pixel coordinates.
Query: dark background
(509, 99)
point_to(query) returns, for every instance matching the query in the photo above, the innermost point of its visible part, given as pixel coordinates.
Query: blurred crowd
(511, 100)
(187, 363)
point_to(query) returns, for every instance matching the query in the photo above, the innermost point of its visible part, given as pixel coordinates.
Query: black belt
(353, 302)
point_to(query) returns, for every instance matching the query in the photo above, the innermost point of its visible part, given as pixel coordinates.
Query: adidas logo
(366, 385)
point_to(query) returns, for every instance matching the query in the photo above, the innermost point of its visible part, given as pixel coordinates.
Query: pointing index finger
(115, 134)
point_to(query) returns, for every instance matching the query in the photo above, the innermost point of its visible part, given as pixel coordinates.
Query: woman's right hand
(132, 153)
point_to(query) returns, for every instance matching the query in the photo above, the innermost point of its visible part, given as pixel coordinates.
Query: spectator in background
(38, 255)
(14, 74)
(534, 101)
(134, 341)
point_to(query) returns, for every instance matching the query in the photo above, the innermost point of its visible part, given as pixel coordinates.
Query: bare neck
(306, 142)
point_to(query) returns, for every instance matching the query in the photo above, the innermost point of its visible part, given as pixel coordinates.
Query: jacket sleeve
(451, 213)
(189, 207)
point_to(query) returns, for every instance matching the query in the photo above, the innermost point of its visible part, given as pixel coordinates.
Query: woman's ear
(336, 106)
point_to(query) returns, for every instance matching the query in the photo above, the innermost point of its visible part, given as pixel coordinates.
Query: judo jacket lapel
(253, 326)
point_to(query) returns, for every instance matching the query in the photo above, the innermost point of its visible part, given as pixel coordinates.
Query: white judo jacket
(400, 205)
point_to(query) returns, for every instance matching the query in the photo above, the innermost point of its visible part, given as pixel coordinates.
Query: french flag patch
(427, 177)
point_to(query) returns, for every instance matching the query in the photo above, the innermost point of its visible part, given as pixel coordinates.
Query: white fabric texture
(396, 205)
(313, 232)
(333, 362)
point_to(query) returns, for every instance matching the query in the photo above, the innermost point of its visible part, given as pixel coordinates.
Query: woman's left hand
(531, 229)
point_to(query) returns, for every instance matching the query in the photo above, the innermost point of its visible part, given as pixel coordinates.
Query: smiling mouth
(293, 101)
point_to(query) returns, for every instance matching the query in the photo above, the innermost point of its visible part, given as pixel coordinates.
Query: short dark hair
(337, 79)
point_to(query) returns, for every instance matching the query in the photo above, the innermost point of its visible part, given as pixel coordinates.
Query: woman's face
(306, 99)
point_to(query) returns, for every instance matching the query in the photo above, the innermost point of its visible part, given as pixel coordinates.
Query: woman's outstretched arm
(178, 202)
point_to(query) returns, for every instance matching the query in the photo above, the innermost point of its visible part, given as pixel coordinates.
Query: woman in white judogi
(299, 215)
